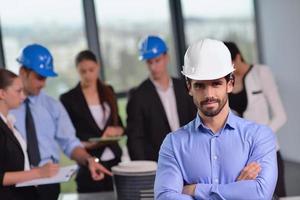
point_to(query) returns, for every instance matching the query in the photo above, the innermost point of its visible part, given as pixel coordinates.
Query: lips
(208, 102)
(211, 102)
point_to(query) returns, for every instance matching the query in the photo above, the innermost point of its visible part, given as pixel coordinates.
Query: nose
(208, 91)
(153, 67)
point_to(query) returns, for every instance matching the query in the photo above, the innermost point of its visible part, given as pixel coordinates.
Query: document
(105, 139)
(64, 174)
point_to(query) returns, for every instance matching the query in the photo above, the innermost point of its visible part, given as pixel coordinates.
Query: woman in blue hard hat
(13, 148)
(94, 114)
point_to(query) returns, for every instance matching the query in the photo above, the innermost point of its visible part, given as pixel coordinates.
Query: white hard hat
(207, 60)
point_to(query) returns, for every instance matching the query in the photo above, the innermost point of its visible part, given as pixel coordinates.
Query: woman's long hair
(106, 93)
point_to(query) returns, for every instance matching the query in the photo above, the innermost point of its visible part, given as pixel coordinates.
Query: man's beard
(212, 113)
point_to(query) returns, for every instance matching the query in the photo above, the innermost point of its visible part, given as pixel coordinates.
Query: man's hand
(96, 169)
(83, 158)
(189, 189)
(250, 172)
(113, 131)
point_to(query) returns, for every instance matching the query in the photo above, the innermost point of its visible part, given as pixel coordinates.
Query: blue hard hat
(151, 47)
(37, 58)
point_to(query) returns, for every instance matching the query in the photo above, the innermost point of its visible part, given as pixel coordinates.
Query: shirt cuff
(202, 191)
(68, 151)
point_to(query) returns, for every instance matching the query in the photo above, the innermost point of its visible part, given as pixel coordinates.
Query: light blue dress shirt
(194, 155)
(53, 126)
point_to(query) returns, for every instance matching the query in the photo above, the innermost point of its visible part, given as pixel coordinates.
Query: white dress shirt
(101, 118)
(168, 100)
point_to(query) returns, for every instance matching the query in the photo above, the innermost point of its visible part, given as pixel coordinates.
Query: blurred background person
(159, 105)
(14, 162)
(45, 123)
(255, 97)
(92, 107)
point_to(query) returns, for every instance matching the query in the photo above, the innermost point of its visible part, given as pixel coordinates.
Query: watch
(95, 159)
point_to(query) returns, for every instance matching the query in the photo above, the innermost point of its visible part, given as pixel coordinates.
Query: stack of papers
(64, 174)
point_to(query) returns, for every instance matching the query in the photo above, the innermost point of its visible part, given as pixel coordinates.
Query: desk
(291, 198)
(110, 196)
(87, 196)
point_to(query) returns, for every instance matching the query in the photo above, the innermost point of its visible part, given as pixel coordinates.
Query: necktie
(32, 143)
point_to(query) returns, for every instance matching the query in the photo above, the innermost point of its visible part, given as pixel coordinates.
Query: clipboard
(105, 139)
(64, 174)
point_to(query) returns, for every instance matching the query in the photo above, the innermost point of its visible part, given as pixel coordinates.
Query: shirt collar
(3, 118)
(158, 87)
(10, 118)
(230, 121)
(33, 98)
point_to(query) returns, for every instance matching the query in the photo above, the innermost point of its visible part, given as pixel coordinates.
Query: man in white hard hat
(215, 156)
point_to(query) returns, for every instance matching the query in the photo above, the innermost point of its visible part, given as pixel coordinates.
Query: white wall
(279, 30)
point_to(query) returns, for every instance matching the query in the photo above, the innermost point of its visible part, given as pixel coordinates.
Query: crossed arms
(169, 183)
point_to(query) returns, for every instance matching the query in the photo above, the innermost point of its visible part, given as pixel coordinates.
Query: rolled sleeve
(66, 133)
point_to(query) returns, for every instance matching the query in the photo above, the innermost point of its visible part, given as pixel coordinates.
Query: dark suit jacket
(12, 159)
(83, 121)
(147, 123)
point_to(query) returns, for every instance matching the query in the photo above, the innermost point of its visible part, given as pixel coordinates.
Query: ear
(99, 68)
(230, 85)
(167, 57)
(188, 86)
(2, 94)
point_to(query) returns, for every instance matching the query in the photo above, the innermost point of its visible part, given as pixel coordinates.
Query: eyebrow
(217, 81)
(211, 82)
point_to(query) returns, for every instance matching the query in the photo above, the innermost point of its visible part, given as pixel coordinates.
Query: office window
(223, 20)
(56, 24)
(121, 26)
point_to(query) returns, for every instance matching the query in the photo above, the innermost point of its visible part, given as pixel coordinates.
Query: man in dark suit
(159, 105)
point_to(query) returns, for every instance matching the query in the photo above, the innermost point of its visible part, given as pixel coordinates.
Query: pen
(51, 158)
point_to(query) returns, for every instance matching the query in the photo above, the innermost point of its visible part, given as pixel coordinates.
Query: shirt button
(215, 157)
(216, 180)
